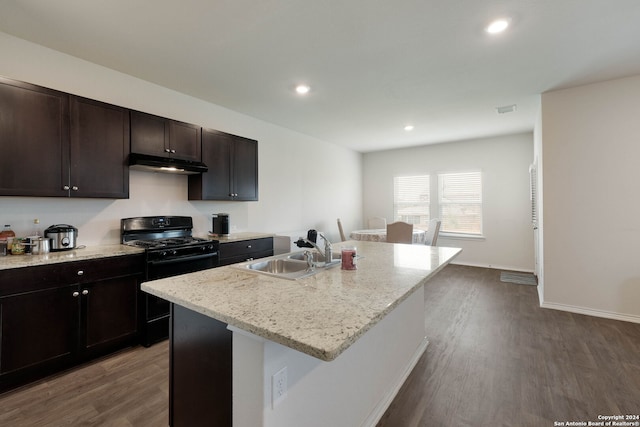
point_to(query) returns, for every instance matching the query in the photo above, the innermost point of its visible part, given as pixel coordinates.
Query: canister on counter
(3, 247)
(17, 247)
(349, 256)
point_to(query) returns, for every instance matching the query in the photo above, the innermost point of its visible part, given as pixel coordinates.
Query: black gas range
(170, 250)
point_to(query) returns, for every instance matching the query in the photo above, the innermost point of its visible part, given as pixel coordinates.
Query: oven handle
(183, 259)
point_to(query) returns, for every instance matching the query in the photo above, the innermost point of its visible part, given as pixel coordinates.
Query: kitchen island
(329, 349)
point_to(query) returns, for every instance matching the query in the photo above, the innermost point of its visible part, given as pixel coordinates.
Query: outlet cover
(278, 387)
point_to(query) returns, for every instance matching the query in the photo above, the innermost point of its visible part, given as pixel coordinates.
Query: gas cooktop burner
(166, 243)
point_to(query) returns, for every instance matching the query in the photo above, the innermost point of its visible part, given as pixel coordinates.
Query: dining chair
(377, 222)
(399, 232)
(342, 236)
(431, 237)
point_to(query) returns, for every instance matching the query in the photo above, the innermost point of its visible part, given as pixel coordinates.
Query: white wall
(504, 161)
(302, 180)
(591, 149)
(353, 390)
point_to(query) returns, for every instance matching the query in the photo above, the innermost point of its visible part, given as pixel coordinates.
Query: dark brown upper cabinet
(233, 168)
(159, 136)
(99, 149)
(34, 140)
(56, 144)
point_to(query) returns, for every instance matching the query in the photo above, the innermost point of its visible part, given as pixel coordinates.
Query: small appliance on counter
(220, 224)
(63, 237)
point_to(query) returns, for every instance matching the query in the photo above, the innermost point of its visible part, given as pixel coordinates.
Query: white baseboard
(495, 267)
(591, 312)
(379, 411)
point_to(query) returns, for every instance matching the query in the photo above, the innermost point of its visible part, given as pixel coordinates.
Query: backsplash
(98, 220)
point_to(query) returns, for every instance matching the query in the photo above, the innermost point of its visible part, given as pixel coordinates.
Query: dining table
(380, 235)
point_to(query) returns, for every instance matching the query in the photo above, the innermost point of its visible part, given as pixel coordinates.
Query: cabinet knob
(74, 188)
(248, 246)
(75, 294)
(66, 187)
(166, 150)
(80, 272)
(85, 292)
(173, 151)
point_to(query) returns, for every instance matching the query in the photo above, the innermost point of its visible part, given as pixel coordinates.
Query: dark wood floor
(129, 388)
(494, 359)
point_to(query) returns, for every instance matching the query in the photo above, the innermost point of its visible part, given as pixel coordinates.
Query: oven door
(159, 269)
(155, 311)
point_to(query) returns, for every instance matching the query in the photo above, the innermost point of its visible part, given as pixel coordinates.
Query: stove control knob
(174, 252)
(210, 247)
(163, 254)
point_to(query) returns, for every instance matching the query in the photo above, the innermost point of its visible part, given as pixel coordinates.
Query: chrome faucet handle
(308, 256)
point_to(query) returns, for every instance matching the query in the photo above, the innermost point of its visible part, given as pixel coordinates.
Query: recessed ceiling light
(408, 128)
(497, 26)
(303, 89)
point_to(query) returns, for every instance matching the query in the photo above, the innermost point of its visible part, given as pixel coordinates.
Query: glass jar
(17, 248)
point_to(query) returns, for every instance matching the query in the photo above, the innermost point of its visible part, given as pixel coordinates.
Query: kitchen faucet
(328, 250)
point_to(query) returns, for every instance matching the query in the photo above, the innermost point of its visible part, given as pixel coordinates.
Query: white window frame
(477, 201)
(421, 216)
(435, 202)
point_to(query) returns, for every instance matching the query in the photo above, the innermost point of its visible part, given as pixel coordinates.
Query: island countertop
(320, 315)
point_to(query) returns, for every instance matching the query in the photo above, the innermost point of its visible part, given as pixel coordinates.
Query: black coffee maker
(221, 224)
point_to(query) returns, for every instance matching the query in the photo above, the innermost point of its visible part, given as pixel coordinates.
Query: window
(458, 203)
(411, 200)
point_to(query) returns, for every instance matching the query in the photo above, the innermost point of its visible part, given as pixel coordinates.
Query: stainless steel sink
(318, 258)
(282, 267)
(288, 266)
(278, 266)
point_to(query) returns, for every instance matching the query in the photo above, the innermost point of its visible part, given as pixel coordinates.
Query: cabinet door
(185, 141)
(148, 134)
(216, 154)
(108, 312)
(38, 329)
(245, 169)
(34, 137)
(99, 149)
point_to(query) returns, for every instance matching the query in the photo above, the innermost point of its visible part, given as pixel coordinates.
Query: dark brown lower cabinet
(200, 377)
(37, 330)
(244, 250)
(58, 315)
(108, 313)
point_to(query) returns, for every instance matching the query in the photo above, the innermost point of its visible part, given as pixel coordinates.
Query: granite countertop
(237, 237)
(90, 252)
(320, 315)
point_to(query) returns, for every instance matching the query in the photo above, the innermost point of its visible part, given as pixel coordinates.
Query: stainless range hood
(149, 163)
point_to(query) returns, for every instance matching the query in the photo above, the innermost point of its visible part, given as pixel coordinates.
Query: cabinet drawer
(245, 248)
(27, 279)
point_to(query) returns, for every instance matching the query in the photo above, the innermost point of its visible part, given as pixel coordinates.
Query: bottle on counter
(8, 235)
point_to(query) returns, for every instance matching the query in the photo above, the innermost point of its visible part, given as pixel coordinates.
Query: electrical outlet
(278, 387)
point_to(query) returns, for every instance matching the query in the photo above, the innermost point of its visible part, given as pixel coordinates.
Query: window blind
(411, 199)
(460, 202)
(533, 185)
